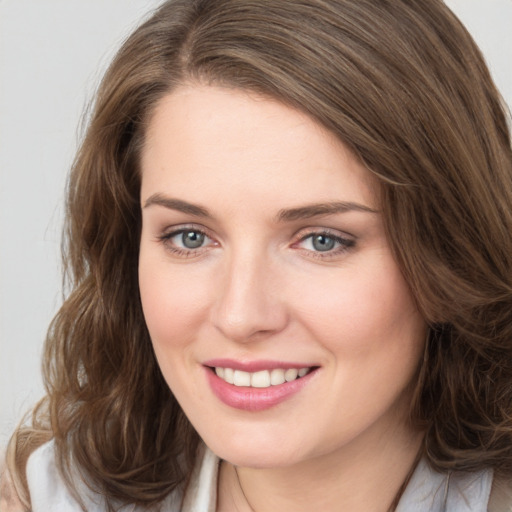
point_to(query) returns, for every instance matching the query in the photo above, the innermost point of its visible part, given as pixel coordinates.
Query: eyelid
(178, 228)
(170, 232)
(322, 230)
(345, 240)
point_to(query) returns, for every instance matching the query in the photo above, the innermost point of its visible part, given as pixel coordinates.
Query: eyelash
(344, 244)
(166, 238)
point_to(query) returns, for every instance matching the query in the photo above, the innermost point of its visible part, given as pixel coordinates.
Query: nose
(250, 304)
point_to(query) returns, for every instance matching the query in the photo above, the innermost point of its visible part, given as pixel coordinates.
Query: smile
(257, 386)
(260, 379)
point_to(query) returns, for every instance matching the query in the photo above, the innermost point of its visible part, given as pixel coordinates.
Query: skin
(257, 288)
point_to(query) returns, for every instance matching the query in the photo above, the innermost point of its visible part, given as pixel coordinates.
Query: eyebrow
(178, 205)
(315, 210)
(285, 215)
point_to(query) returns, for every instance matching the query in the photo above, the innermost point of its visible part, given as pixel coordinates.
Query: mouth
(262, 378)
(257, 386)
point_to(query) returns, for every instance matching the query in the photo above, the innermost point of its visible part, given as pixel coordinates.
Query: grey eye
(192, 239)
(323, 243)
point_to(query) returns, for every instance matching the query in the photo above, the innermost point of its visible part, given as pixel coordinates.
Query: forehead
(201, 136)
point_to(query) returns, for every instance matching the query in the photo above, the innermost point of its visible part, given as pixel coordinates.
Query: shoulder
(9, 500)
(49, 491)
(430, 490)
(500, 499)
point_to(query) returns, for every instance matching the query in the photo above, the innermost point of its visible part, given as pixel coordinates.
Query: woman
(290, 253)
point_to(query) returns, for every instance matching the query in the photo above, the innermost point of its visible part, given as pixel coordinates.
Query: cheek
(173, 301)
(374, 335)
(173, 313)
(361, 313)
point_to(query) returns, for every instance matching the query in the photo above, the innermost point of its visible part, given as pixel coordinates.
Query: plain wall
(52, 54)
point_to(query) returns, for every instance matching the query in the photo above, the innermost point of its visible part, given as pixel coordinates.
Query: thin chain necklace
(242, 489)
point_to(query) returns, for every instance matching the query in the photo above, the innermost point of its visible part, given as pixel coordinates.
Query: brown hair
(405, 87)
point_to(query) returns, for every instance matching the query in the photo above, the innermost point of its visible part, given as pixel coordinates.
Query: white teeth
(261, 379)
(229, 374)
(242, 378)
(277, 377)
(290, 374)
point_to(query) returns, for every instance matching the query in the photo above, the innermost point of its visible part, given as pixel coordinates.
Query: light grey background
(52, 55)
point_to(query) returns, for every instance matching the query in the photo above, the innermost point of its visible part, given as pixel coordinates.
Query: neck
(368, 475)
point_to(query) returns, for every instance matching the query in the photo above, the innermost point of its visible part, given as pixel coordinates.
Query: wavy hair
(404, 86)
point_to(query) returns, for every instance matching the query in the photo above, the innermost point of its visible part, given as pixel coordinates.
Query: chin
(256, 453)
(257, 460)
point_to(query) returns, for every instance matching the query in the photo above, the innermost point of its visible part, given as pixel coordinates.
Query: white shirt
(428, 491)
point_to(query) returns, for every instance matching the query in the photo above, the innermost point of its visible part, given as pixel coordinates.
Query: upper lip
(254, 366)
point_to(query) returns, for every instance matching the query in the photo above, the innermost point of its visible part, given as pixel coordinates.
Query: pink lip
(253, 366)
(255, 399)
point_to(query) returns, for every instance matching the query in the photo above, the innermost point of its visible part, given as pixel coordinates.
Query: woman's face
(277, 313)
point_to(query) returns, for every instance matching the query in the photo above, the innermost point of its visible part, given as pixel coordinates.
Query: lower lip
(255, 399)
